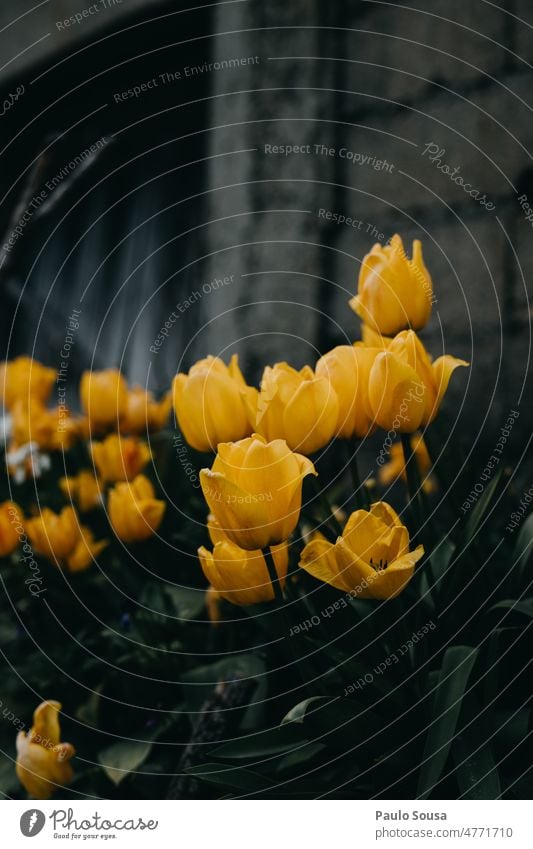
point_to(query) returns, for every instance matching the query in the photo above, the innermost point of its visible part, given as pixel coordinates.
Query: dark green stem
(273, 575)
(359, 490)
(413, 481)
(328, 513)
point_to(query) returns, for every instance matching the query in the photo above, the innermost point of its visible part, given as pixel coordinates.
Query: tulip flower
(24, 378)
(373, 338)
(43, 762)
(119, 458)
(143, 414)
(434, 376)
(396, 395)
(395, 468)
(84, 489)
(216, 534)
(62, 540)
(50, 429)
(134, 512)
(347, 368)
(104, 397)
(254, 490)
(370, 560)
(297, 406)
(240, 576)
(11, 527)
(394, 292)
(210, 403)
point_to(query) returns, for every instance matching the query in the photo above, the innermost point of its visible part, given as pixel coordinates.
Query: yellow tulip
(24, 378)
(394, 292)
(43, 762)
(11, 527)
(120, 458)
(84, 489)
(347, 367)
(297, 406)
(254, 490)
(396, 395)
(240, 576)
(216, 534)
(134, 512)
(210, 403)
(370, 560)
(395, 468)
(143, 414)
(434, 376)
(85, 551)
(373, 338)
(104, 397)
(51, 429)
(62, 540)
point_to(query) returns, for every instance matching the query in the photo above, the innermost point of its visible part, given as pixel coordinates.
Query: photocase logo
(32, 822)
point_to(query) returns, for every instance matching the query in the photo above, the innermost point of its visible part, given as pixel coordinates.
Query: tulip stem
(329, 517)
(273, 575)
(359, 490)
(411, 471)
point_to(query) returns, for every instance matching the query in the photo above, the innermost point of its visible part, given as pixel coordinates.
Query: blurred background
(188, 169)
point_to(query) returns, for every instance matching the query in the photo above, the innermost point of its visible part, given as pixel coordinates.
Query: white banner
(309, 824)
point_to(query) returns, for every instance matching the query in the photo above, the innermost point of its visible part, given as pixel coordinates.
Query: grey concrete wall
(383, 82)
(32, 30)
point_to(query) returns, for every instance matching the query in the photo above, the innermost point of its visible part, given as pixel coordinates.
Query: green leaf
(263, 745)
(298, 712)
(454, 674)
(188, 603)
(481, 507)
(441, 556)
(200, 681)
(476, 771)
(524, 546)
(524, 607)
(238, 778)
(298, 757)
(123, 757)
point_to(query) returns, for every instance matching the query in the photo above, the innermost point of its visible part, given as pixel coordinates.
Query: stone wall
(375, 80)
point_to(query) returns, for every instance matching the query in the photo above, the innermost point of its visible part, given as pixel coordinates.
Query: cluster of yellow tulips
(263, 438)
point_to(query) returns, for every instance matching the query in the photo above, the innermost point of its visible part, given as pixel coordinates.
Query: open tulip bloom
(370, 560)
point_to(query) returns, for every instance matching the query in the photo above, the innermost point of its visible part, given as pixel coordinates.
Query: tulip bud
(11, 526)
(254, 490)
(347, 368)
(240, 576)
(62, 540)
(210, 403)
(43, 762)
(120, 458)
(396, 394)
(104, 397)
(394, 292)
(296, 406)
(434, 376)
(84, 489)
(395, 468)
(134, 512)
(24, 378)
(143, 414)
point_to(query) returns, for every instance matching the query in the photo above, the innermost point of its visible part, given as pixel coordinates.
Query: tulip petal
(443, 369)
(318, 559)
(388, 583)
